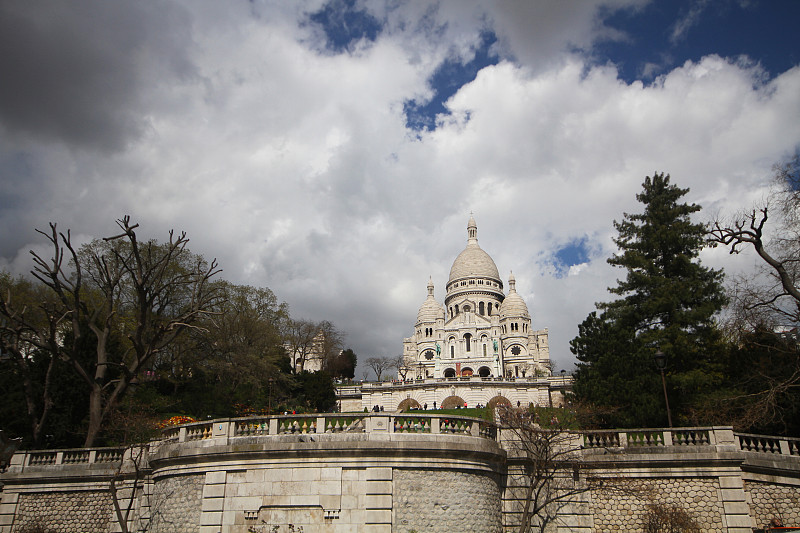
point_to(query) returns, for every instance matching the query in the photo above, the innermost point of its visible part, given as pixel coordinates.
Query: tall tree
(379, 365)
(147, 293)
(668, 301)
(773, 297)
(765, 310)
(344, 365)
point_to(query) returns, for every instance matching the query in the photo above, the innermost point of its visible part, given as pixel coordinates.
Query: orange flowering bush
(175, 421)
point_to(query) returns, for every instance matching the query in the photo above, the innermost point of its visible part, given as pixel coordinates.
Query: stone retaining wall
(85, 511)
(770, 500)
(382, 474)
(445, 502)
(174, 504)
(624, 506)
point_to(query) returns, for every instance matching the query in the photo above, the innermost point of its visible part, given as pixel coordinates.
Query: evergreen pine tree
(667, 302)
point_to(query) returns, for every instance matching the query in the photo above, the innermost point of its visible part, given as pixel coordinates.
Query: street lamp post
(271, 382)
(661, 363)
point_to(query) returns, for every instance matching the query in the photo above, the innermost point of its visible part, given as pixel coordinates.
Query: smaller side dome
(431, 310)
(513, 305)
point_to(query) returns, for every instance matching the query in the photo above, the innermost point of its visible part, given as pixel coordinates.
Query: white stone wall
(56, 512)
(175, 504)
(445, 501)
(623, 505)
(770, 500)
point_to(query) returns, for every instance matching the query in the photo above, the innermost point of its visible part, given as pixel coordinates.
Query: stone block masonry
(86, 511)
(175, 505)
(444, 501)
(625, 507)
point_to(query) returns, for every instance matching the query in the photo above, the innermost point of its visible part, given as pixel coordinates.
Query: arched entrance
(449, 373)
(484, 371)
(451, 402)
(408, 404)
(498, 401)
(466, 372)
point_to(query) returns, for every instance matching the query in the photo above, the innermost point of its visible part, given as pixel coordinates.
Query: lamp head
(661, 360)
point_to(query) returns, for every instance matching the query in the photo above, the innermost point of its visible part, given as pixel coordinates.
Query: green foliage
(759, 393)
(667, 302)
(344, 365)
(483, 412)
(315, 391)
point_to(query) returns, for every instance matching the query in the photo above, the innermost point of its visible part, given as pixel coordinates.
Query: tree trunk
(95, 415)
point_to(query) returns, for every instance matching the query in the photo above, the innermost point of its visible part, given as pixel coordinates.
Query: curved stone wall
(175, 504)
(87, 511)
(624, 507)
(770, 500)
(445, 501)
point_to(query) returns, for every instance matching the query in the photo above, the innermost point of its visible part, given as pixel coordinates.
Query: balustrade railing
(329, 423)
(76, 456)
(767, 444)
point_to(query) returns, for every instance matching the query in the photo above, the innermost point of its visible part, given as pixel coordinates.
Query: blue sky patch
(664, 35)
(448, 78)
(344, 24)
(573, 253)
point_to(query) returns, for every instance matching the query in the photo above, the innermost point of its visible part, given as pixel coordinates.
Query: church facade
(478, 347)
(480, 330)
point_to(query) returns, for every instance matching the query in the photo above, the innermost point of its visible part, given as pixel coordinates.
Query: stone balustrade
(331, 423)
(691, 437)
(554, 380)
(87, 456)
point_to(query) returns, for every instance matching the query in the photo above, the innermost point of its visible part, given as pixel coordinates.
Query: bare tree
(400, 364)
(775, 296)
(29, 330)
(148, 293)
(769, 301)
(546, 465)
(330, 342)
(300, 338)
(379, 365)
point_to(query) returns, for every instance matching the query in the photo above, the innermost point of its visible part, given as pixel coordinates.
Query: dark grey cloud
(82, 72)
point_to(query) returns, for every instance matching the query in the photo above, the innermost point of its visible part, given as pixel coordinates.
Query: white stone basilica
(477, 349)
(480, 330)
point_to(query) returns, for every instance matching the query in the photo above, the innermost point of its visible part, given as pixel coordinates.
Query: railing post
(59, 458)
(475, 429)
(623, 439)
(92, 456)
(273, 426)
(182, 434)
(784, 444)
(435, 427)
(667, 437)
(321, 421)
(219, 429)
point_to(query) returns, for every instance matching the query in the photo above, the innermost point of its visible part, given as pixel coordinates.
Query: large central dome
(473, 262)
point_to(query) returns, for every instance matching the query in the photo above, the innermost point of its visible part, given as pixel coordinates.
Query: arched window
(452, 352)
(484, 350)
(468, 341)
(489, 312)
(456, 309)
(480, 308)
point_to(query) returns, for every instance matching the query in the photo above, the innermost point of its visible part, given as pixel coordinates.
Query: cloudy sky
(333, 151)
